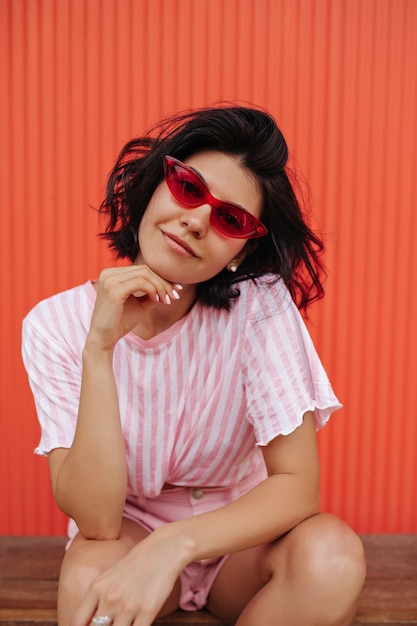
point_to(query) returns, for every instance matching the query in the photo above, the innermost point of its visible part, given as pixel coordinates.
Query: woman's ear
(249, 247)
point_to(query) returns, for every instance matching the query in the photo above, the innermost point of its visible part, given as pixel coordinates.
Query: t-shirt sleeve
(283, 375)
(54, 372)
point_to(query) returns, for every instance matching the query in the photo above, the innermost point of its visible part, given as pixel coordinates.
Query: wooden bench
(29, 568)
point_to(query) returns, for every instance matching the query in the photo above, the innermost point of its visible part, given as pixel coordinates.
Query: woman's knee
(84, 561)
(322, 561)
(340, 554)
(329, 551)
(79, 568)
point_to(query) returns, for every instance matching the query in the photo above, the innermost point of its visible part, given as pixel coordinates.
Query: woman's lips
(178, 245)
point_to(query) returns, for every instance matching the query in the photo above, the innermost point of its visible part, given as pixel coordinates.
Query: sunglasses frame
(258, 229)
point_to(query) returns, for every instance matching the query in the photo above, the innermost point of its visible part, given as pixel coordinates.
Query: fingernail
(167, 299)
(178, 286)
(176, 294)
(156, 297)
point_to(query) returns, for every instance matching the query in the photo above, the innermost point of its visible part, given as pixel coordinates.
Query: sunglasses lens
(186, 186)
(231, 221)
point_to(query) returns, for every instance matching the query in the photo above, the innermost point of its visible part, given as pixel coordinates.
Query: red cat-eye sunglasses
(190, 191)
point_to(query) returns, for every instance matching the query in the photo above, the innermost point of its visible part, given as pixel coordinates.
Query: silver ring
(102, 620)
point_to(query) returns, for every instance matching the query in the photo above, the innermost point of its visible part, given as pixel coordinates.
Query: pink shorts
(181, 503)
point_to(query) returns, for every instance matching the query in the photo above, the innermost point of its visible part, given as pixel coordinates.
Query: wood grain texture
(29, 568)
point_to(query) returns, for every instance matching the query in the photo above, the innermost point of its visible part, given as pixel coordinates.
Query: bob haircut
(289, 251)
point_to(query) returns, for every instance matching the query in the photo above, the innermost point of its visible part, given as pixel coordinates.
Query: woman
(179, 395)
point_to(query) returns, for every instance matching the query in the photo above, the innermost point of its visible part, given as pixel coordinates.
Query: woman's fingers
(139, 281)
(106, 602)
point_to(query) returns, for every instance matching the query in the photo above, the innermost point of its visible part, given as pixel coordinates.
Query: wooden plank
(29, 568)
(391, 556)
(31, 557)
(390, 592)
(32, 617)
(28, 594)
(389, 601)
(47, 617)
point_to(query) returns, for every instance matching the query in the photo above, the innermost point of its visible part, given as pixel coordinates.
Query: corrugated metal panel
(80, 77)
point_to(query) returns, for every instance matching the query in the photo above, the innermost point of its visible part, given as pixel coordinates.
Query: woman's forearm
(287, 497)
(265, 513)
(91, 483)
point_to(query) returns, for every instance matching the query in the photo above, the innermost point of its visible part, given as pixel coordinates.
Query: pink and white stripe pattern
(194, 400)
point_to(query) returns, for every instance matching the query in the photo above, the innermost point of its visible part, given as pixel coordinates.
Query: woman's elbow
(100, 527)
(92, 522)
(100, 533)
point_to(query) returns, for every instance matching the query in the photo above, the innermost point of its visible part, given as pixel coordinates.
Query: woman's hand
(135, 589)
(122, 292)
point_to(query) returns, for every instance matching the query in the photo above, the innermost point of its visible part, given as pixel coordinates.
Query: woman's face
(180, 244)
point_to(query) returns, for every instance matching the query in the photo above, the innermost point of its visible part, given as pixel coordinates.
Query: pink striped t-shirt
(195, 399)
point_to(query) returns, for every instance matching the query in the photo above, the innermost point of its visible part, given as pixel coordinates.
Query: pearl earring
(232, 267)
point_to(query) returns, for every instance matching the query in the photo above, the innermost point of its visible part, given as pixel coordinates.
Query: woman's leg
(312, 576)
(86, 559)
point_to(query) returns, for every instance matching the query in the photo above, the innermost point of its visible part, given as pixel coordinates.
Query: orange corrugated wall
(80, 77)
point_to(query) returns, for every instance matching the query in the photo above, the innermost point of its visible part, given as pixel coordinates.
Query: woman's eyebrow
(197, 173)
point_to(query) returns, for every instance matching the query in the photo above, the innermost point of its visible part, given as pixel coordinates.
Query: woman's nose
(197, 220)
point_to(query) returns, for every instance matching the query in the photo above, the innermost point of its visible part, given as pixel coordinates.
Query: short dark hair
(290, 250)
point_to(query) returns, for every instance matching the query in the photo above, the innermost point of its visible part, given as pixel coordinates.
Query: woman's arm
(90, 479)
